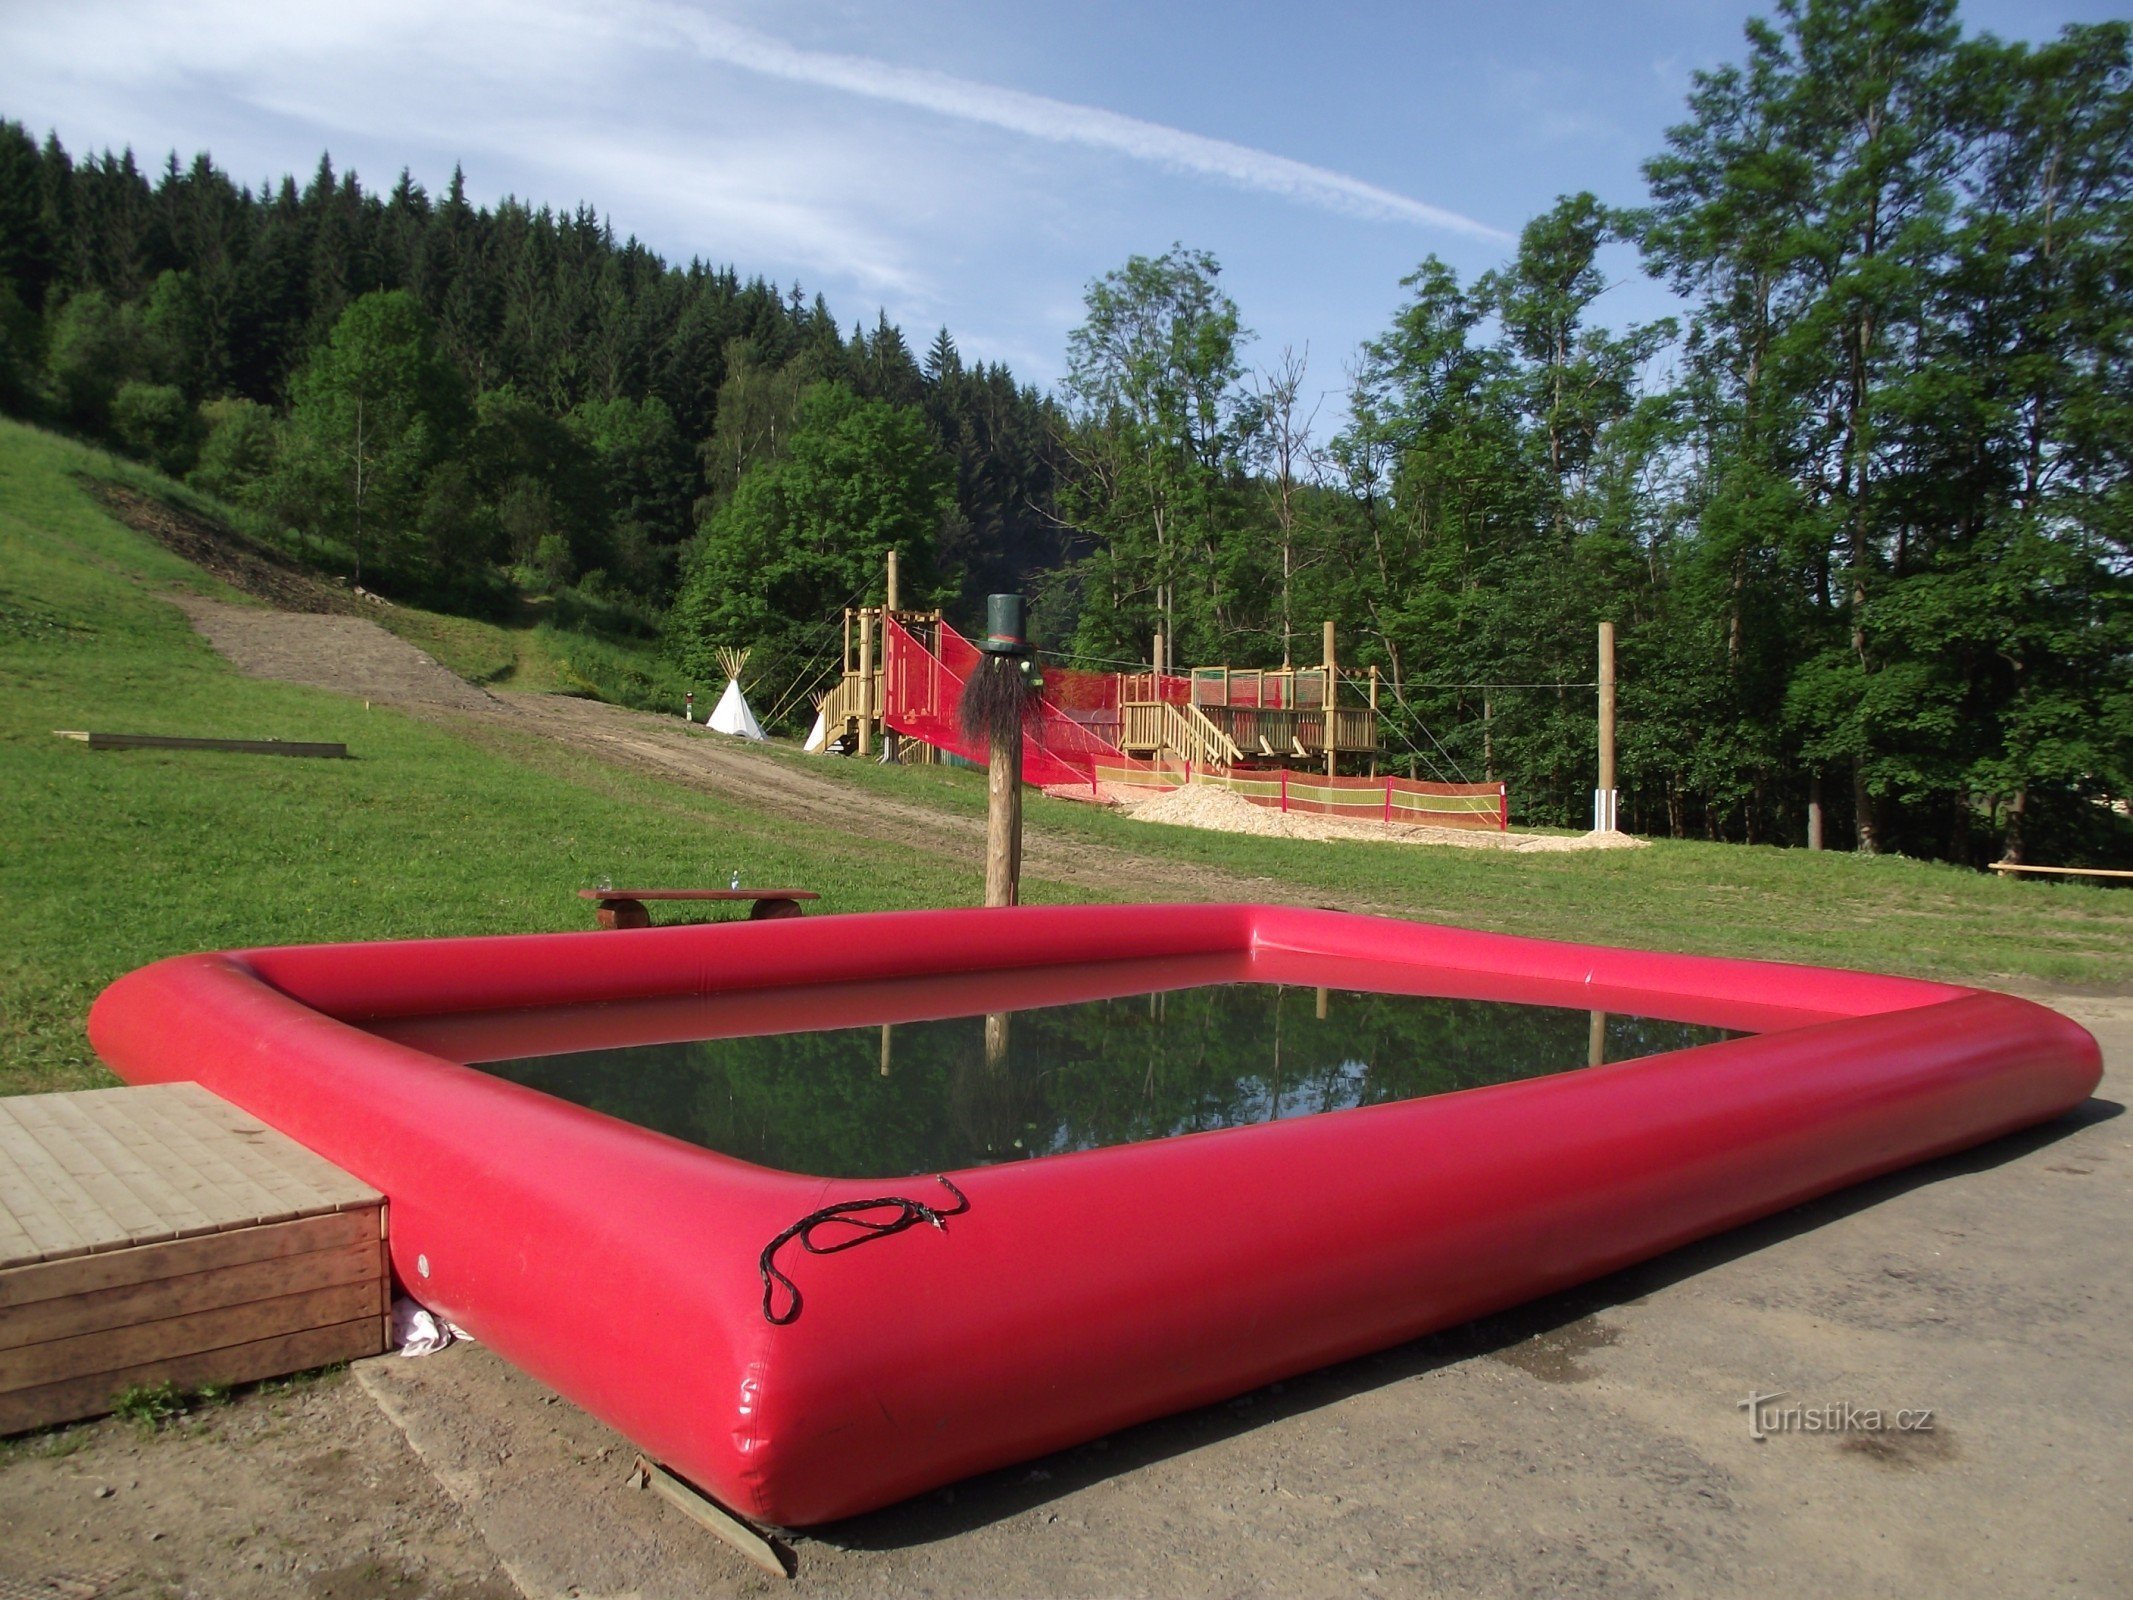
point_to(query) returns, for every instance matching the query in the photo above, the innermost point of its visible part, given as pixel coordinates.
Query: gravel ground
(1204, 806)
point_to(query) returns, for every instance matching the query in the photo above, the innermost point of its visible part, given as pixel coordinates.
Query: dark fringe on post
(995, 701)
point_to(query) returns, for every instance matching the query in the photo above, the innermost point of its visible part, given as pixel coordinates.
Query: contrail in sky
(1062, 122)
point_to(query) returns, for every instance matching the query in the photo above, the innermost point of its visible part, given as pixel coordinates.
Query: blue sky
(952, 162)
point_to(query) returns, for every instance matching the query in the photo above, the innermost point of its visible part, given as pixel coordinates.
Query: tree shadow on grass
(1010, 1491)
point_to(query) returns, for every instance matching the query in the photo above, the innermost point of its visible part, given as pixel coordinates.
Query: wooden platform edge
(74, 1399)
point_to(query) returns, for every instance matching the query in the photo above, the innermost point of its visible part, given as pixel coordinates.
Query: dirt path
(354, 656)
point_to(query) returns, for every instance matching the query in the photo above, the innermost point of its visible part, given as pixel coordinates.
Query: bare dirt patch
(348, 654)
(297, 1491)
(245, 565)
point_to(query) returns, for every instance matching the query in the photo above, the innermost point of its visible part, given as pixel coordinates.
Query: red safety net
(1063, 739)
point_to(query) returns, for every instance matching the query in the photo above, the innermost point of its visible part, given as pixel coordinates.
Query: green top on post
(1004, 626)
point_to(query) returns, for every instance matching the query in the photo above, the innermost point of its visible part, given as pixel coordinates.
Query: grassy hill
(109, 859)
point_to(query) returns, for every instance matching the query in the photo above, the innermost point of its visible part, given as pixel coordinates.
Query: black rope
(909, 1214)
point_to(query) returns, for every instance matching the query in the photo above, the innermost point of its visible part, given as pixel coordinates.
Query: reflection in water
(968, 1091)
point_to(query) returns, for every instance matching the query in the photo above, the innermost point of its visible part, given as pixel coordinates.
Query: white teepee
(731, 715)
(818, 736)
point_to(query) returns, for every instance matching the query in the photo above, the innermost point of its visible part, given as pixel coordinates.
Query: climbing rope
(909, 1214)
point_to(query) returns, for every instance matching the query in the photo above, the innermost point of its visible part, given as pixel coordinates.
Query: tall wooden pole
(1003, 819)
(1373, 719)
(891, 745)
(1603, 805)
(866, 681)
(993, 703)
(1332, 679)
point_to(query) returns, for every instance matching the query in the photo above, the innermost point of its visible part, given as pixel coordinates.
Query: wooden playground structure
(1279, 737)
(1207, 717)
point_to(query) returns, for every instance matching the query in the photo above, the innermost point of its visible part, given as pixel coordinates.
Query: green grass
(112, 859)
(1889, 914)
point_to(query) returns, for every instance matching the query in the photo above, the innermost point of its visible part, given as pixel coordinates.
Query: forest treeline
(1861, 515)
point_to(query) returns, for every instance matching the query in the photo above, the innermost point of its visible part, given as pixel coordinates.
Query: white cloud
(1058, 121)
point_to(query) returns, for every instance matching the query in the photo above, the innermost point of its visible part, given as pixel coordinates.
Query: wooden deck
(161, 1235)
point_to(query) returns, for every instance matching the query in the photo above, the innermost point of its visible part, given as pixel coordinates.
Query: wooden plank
(312, 1182)
(274, 1357)
(2072, 872)
(110, 1169)
(190, 1167)
(58, 1359)
(134, 1211)
(247, 747)
(236, 1154)
(729, 1527)
(108, 1269)
(698, 894)
(162, 1299)
(51, 1207)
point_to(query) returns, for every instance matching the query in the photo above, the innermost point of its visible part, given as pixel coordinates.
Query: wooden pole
(1331, 680)
(866, 680)
(1596, 1040)
(1373, 720)
(1603, 816)
(1814, 811)
(886, 1050)
(847, 641)
(891, 745)
(1321, 1005)
(1003, 822)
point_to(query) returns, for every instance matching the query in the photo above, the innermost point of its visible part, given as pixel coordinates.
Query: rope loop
(907, 1214)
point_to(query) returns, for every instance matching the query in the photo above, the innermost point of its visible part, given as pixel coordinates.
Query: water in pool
(937, 1095)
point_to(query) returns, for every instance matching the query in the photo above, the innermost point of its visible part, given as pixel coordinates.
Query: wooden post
(891, 745)
(1003, 820)
(1155, 654)
(1322, 1004)
(1373, 719)
(886, 1051)
(1596, 1040)
(866, 681)
(1814, 811)
(1331, 681)
(847, 641)
(1603, 802)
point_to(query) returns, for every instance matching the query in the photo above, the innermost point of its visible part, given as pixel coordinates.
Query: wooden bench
(160, 1235)
(624, 908)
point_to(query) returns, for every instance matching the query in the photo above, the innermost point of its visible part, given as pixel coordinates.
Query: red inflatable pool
(1024, 1305)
